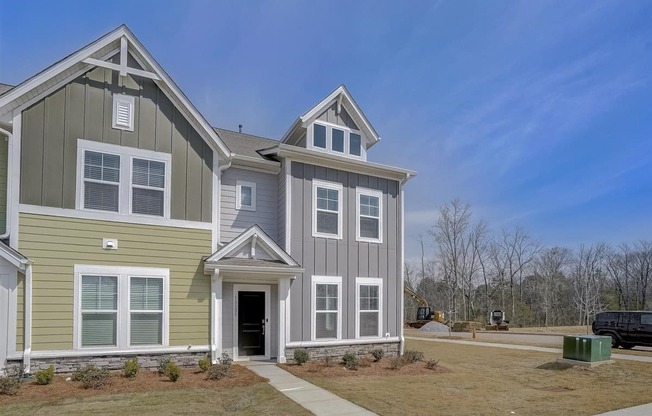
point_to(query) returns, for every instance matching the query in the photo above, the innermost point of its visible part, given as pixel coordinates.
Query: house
(133, 227)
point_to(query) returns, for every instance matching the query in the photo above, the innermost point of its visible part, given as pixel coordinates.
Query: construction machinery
(425, 313)
(498, 322)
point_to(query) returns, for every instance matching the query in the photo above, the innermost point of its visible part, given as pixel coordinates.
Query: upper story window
(369, 215)
(327, 209)
(245, 197)
(335, 139)
(123, 180)
(123, 112)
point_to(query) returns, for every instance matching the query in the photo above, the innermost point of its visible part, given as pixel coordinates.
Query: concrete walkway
(642, 410)
(317, 400)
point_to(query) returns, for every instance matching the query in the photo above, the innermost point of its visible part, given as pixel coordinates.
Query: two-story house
(132, 227)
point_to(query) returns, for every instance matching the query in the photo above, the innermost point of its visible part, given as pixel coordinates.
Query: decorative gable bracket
(123, 68)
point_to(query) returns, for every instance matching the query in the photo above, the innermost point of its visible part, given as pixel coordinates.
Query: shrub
(131, 368)
(204, 364)
(92, 377)
(225, 359)
(432, 364)
(218, 371)
(172, 371)
(378, 354)
(301, 356)
(9, 385)
(162, 364)
(44, 377)
(328, 361)
(396, 362)
(365, 362)
(350, 361)
(412, 356)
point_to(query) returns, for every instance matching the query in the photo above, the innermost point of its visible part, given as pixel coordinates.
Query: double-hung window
(245, 195)
(369, 215)
(120, 307)
(123, 180)
(369, 295)
(327, 209)
(326, 307)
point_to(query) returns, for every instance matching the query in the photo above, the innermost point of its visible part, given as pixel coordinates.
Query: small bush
(44, 377)
(301, 356)
(432, 364)
(328, 361)
(172, 371)
(350, 361)
(396, 363)
(365, 362)
(412, 356)
(162, 365)
(92, 377)
(9, 385)
(378, 354)
(204, 364)
(131, 368)
(218, 371)
(225, 359)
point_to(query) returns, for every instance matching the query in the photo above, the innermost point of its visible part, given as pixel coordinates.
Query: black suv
(626, 328)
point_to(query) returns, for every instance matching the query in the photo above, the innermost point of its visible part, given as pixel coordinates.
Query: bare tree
(588, 281)
(550, 266)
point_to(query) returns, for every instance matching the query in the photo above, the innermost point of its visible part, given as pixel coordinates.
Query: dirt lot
(492, 381)
(243, 393)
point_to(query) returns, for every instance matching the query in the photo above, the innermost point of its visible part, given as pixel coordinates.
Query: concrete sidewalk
(317, 400)
(642, 410)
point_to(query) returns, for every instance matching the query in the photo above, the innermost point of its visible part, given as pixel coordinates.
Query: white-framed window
(245, 195)
(335, 139)
(119, 307)
(326, 322)
(369, 214)
(123, 112)
(369, 307)
(327, 209)
(123, 180)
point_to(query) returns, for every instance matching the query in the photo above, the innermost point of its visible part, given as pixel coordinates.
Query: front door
(251, 323)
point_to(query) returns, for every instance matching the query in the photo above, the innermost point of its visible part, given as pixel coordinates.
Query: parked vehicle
(627, 329)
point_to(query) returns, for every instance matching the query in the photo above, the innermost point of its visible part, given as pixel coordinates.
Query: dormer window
(336, 139)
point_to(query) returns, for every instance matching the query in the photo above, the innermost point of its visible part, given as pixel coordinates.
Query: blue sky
(538, 113)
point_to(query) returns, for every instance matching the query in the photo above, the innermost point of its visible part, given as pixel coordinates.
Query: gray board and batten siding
(341, 119)
(347, 257)
(83, 109)
(235, 221)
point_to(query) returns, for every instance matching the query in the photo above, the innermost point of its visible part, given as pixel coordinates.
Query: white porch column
(283, 317)
(216, 316)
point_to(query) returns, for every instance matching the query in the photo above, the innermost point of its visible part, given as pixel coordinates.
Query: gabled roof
(243, 144)
(123, 40)
(342, 97)
(5, 88)
(13, 257)
(254, 237)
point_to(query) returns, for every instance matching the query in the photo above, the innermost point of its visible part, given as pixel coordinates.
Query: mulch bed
(381, 368)
(145, 381)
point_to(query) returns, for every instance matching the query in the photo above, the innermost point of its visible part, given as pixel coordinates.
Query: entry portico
(250, 297)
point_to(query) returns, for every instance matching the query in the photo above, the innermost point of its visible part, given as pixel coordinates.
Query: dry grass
(492, 381)
(554, 330)
(148, 394)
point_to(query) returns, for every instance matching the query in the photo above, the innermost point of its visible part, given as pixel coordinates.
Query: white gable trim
(256, 236)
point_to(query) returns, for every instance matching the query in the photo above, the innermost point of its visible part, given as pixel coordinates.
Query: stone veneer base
(390, 349)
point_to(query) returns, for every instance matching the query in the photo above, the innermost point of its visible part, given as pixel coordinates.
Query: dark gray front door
(251, 323)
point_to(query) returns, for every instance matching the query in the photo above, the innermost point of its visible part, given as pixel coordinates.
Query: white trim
(288, 204)
(238, 195)
(237, 288)
(329, 140)
(123, 274)
(8, 325)
(27, 320)
(128, 100)
(318, 183)
(359, 191)
(328, 280)
(215, 204)
(125, 185)
(401, 298)
(119, 68)
(332, 343)
(216, 316)
(13, 185)
(283, 317)
(95, 352)
(368, 281)
(114, 217)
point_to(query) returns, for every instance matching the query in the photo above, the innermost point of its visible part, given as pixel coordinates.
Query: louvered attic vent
(123, 112)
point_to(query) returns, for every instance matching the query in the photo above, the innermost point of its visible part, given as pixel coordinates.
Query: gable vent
(123, 112)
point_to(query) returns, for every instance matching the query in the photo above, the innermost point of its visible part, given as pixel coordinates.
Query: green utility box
(589, 348)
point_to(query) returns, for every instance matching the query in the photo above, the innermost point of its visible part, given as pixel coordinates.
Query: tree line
(473, 271)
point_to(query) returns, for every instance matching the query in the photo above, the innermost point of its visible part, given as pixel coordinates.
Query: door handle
(263, 323)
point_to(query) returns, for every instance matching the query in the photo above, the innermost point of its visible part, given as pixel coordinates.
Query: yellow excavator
(425, 313)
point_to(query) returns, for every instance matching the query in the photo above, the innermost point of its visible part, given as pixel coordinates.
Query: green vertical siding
(57, 244)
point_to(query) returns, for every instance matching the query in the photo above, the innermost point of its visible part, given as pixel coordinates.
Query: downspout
(27, 321)
(402, 310)
(221, 169)
(9, 169)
